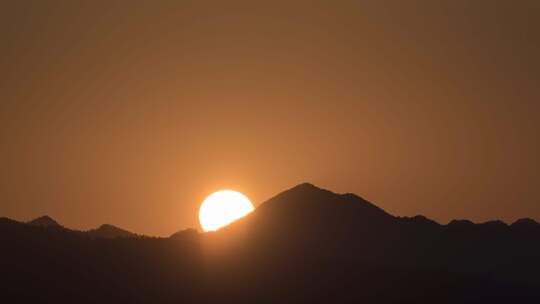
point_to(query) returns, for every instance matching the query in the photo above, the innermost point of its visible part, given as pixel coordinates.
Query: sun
(222, 208)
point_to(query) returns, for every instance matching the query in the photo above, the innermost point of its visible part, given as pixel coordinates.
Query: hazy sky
(132, 112)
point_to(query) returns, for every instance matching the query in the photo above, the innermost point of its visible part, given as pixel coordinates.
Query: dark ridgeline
(186, 234)
(306, 245)
(106, 231)
(110, 232)
(45, 222)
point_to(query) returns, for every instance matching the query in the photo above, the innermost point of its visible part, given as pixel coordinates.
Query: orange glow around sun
(222, 208)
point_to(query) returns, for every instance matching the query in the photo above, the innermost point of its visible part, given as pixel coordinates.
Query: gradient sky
(132, 112)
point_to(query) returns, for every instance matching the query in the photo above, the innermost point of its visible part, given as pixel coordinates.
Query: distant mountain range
(111, 232)
(103, 231)
(305, 245)
(307, 205)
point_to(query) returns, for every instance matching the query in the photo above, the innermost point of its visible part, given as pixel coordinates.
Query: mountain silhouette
(313, 226)
(45, 222)
(304, 245)
(104, 231)
(186, 234)
(308, 210)
(110, 231)
(306, 217)
(525, 223)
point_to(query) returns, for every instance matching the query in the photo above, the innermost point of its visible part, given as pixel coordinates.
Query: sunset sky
(132, 112)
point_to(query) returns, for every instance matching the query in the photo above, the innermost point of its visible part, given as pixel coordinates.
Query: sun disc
(222, 208)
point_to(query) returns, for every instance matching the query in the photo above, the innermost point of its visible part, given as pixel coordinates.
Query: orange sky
(131, 112)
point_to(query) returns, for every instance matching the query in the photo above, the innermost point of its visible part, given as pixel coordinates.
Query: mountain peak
(313, 195)
(308, 209)
(110, 231)
(306, 188)
(44, 221)
(306, 185)
(525, 223)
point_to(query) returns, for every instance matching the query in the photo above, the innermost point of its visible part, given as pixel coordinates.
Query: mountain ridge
(45, 221)
(303, 194)
(110, 231)
(304, 245)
